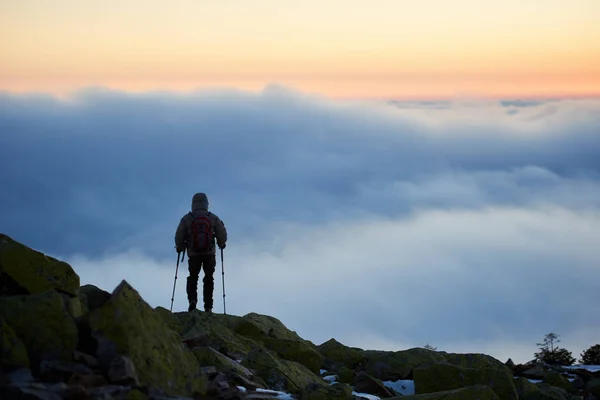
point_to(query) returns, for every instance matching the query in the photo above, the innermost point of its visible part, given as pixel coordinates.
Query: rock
(296, 350)
(255, 325)
(441, 377)
(590, 396)
(61, 370)
(27, 393)
(280, 374)
(337, 391)
(122, 371)
(13, 353)
(473, 360)
(33, 271)
(220, 387)
(346, 375)
(210, 356)
(93, 297)
(510, 364)
(537, 371)
(127, 325)
(87, 380)
(558, 380)
(365, 383)
(548, 393)
(43, 325)
(337, 355)
(479, 392)
(86, 359)
(525, 387)
(18, 376)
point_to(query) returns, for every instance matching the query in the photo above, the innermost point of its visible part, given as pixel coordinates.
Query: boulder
(337, 355)
(126, 325)
(93, 297)
(211, 357)
(525, 387)
(478, 392)
(394, 365)
(336, 391)
(365, 383)
(296, 350)
(280, 374)
(558, 380)
(593, 386)
(13, 353)
(441, 377)
(33, 271)
(548, 393)
(43, 324)
(255, 325)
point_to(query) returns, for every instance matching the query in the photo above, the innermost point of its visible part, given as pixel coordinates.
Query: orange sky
(351, 48)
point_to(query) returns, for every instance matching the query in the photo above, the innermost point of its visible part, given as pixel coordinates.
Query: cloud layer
(471, 225)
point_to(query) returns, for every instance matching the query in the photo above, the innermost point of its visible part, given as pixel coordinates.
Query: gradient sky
(349, 48)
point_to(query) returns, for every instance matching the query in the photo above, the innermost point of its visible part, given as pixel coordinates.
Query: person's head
(200, 202)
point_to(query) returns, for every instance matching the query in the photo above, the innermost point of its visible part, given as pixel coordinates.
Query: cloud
(381, 225)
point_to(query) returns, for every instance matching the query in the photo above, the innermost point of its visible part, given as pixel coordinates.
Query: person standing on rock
(196, 233)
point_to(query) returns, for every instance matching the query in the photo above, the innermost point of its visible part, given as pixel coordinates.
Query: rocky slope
(61, 340)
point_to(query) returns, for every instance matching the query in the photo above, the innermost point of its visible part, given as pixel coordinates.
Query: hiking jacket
(182, 235)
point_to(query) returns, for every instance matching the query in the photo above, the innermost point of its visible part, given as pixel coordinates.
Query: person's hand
(222, 246)
(179, 249)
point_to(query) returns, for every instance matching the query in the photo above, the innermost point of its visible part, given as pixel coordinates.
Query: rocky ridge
(61, 340)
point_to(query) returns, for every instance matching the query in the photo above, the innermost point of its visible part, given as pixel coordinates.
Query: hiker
(196, 233)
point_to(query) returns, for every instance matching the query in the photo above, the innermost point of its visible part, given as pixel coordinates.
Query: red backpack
(201, 234)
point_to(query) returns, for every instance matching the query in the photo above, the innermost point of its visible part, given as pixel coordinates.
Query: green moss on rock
(477, 392)
(337, 391)
(34, 271)
(280, 374)
(296, 350)
(43, 324)
(255, 325)
(558, 380)
(394, 365)
(13, 352)
(525, 387)
(441, 377)
(127, 325)
(207, 356)
(338, 355)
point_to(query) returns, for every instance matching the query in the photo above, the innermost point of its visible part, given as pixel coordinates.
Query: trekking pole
(175, 282)
(223, 274)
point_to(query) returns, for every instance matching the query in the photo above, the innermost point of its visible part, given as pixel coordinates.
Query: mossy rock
(33, 271)
(473, 360)
(295, 350)
(441, 377)
(558, 380)
(127, 325)
(72, 305)
(43, 324)
(477, 392)
(207, 356)
(337, 355)
(255, 325)
(394, 365)
(525, 387)
(337, 391)
(13, 353)
(170, 319)
(199, 329)
(593, 386)
(94, 296)
(547, 392)
(279, 374)
(346, 375)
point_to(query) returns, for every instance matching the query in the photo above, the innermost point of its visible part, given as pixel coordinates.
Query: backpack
(201, 233)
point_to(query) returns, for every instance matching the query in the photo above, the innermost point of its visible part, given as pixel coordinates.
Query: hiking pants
(195, 265)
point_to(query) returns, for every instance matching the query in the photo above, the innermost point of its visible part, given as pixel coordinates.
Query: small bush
(591, 356)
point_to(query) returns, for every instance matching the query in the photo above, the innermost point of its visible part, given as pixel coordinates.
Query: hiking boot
(192, 306)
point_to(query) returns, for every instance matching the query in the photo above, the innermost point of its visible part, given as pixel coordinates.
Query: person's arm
(181, 235)
(220, 232)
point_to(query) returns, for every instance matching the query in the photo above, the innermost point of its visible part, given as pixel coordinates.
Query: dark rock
(61, 370)
(30, 392)
(365, 383)
(94, 297)
(16, 377)
(86, 359)
(510, 364)
(87, 380)
(122, 371)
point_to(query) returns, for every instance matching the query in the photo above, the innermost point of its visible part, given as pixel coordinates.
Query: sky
(471, 224)
(338, 48)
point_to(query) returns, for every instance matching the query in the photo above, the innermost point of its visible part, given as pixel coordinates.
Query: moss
(338, 355)
(127, 325)
(337, 391)
(280, 374)
(34, 271)
(13, 352)
(43, 324)
(255, 325)
(525, 387)
(558, 380)
(448, 377)
(208, 356)
(295, 350)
